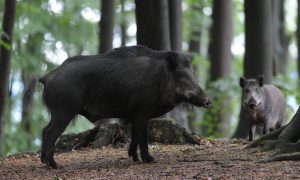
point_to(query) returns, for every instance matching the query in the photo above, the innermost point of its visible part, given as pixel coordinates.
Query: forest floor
(210, 160)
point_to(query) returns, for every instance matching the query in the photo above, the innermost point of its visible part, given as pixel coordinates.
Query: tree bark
(123, 25)
(281, 39)
(221, 38)
(259, 52)
(195, 41)
(259, 49)
(159, 26)
(106, 25)
(221, 59)
(143, 13)
(175, 15)
(7, 27)
(298, 38)
(152, 19)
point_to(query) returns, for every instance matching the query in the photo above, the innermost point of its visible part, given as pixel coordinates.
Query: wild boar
(136, 88)
(263, 105)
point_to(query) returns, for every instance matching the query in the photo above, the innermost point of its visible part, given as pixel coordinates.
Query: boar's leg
(132, 151)
(58, 123)
(140, 134)
(43, 151)
(252, 131)
(266, 127)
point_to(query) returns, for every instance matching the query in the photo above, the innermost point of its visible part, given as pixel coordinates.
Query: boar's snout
(252, 104)
(199, 99)
(207, 103)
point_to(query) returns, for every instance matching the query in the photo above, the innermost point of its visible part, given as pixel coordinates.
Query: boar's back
(115, 85)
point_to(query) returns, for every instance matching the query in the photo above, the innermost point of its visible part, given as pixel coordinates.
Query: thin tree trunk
(259, 49)
(281, 39)
(106, 25)
(221, 61)
(175, 15)
(195, 42)
(298, 37)
(123, 25)
(7, 26)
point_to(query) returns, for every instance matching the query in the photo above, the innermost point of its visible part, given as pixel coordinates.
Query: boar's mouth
(206, 102)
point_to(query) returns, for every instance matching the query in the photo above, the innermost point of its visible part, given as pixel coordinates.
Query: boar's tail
(42, 79)
(28, 93)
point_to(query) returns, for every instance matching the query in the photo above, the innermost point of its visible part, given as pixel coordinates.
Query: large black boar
(135, 87)
(263, 105)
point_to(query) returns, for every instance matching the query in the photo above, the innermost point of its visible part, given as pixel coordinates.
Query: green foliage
(48, 31)
(225, 94)
(41, 33)
(3, 43)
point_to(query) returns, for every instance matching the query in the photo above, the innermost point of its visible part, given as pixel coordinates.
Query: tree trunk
(7, 27)
(175, 15)
(259, 52)
(221, 60)
(159, 26)
(221, 38)
(106, 25)
(152, 19)
(281, 39)
(195, 42)
(298, 37)
(259, 49)
(123, 25)
(143, 13)
(162, 26)
(195, 47)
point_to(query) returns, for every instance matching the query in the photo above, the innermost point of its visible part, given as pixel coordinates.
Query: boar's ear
(260, 80)
(172, 60)
(243, 81)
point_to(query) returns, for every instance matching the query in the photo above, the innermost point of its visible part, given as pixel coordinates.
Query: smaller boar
(263, 105)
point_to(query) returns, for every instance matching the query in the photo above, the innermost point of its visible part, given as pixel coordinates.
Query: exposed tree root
(271, 136)
(283, 157)
(285, 141)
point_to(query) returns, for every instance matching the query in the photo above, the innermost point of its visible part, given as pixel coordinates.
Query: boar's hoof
(51, 164)
(132, 152)
(148, 158)
(133, 155)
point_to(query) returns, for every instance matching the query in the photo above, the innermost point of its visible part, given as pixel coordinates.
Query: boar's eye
(247, 90)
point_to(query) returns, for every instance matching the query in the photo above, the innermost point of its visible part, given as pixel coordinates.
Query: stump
(162, 130)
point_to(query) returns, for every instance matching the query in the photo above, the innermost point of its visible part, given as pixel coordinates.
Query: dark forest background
(230, 39)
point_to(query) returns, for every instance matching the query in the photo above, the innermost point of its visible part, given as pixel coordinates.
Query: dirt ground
(210, 160)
